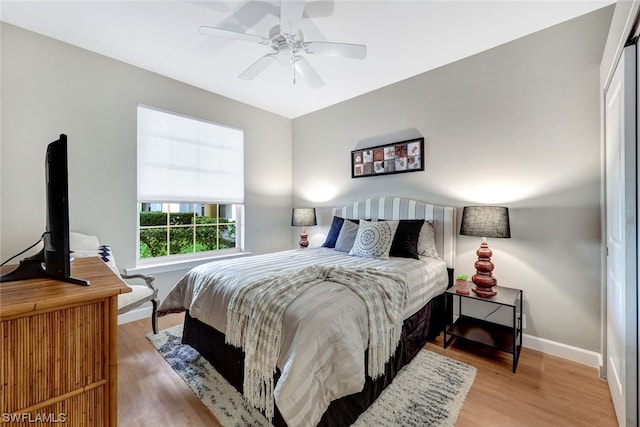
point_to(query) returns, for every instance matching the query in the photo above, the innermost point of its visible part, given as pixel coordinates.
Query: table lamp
(485, 221)
(303, 217)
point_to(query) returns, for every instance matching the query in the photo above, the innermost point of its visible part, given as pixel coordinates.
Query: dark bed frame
(229, 361)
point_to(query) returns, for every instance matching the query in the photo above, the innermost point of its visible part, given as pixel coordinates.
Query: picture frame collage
(398, 157)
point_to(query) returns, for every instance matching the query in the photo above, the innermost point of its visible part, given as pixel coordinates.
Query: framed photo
(399, 157)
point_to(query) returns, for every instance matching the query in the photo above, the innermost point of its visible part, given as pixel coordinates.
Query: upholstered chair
(83, 245)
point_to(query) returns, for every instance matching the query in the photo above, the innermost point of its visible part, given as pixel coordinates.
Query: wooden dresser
(59, 348)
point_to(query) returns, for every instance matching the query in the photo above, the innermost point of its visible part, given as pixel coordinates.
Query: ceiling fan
(286, 39)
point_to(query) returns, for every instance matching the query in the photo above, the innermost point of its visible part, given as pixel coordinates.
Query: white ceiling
(403, 38)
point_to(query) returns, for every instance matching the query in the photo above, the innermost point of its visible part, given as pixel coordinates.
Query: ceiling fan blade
(233, 35)
(306, 70)
(290, 16)
(259, 66)
(346, 50)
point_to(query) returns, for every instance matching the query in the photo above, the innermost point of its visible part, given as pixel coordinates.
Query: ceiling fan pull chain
(293, 62)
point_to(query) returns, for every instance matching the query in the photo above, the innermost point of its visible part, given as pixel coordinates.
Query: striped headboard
(442, 217)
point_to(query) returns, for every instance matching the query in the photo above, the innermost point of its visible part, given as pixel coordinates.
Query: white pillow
(82, 242)
(84, 246)
(374, 239)
(427, 241)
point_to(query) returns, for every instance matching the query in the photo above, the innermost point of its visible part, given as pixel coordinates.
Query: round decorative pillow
(374, 239)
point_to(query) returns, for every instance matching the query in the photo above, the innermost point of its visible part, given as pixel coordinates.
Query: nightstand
(495, 335)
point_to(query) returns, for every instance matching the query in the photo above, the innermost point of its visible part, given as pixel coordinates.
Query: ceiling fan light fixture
(287, 39)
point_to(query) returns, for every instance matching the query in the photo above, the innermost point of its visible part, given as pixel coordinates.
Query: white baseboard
(137, 314)
(580, 355)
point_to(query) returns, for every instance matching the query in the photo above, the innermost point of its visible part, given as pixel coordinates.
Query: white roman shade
(182, 159)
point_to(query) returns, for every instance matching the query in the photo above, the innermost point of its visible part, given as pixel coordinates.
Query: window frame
(193, 256)
(178, 261)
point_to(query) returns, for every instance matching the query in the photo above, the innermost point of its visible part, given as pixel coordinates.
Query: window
(185, 228)
(190, 185)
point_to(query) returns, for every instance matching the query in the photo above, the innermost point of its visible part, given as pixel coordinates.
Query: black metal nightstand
(495, 335)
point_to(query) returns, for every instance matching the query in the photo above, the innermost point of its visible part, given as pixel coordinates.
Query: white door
(620, 175)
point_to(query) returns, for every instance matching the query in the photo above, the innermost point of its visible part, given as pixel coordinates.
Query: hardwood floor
(150, 393)
(545, 391)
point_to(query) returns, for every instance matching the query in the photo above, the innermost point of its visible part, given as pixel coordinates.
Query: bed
(325, 359)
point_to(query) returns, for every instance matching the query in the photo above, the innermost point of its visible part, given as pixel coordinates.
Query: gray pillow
(347, 236)
(427, 241)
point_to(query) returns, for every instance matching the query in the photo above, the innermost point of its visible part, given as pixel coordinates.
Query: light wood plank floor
(545, 391)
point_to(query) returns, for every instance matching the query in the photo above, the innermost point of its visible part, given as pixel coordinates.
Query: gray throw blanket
(255, 312)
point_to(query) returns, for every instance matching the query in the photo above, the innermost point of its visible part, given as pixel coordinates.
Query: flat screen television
(53, 261)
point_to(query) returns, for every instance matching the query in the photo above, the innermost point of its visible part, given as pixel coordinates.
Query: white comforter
(325, 330)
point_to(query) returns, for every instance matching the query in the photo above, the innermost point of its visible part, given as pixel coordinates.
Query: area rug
(429, 391)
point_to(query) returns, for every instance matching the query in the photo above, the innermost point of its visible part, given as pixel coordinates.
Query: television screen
(54, 260)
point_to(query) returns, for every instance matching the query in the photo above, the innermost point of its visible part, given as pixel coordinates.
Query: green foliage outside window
(182, 235)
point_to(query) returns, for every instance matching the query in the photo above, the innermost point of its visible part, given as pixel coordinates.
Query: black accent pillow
(405, 242)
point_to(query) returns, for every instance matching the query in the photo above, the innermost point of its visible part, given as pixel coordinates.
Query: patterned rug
(429, 391)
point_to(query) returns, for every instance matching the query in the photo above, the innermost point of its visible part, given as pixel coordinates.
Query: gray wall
(517, 125)
(49, 87)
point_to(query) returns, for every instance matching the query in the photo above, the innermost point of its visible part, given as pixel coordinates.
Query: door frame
(631, 298)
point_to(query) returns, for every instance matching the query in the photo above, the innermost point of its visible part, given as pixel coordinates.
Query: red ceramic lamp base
(303, 239)
(484, 292)
(483, 278)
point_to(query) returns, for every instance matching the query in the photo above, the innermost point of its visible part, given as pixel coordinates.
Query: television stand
(60, 354)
